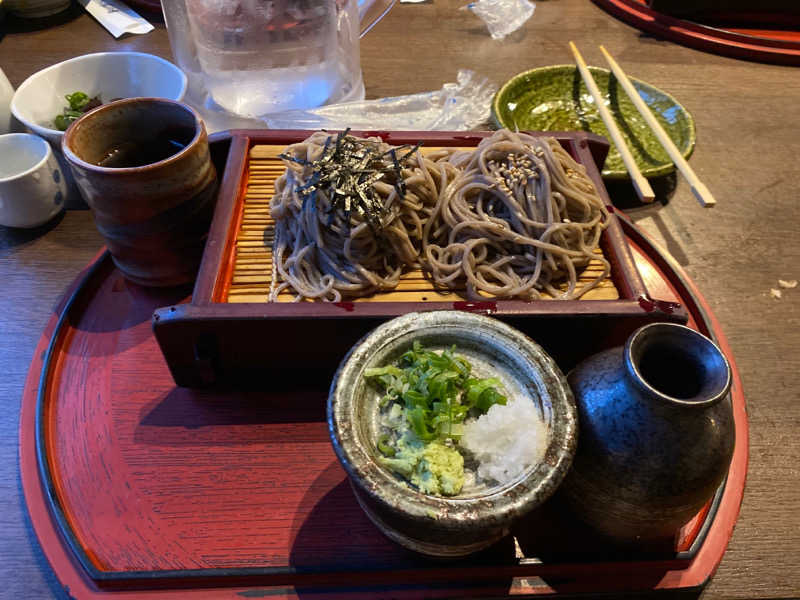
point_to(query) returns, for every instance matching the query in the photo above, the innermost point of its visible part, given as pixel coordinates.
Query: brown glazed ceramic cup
(155, 216)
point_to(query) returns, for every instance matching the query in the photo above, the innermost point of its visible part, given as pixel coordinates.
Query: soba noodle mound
(511, 219)
(520, 216)
(332, 242)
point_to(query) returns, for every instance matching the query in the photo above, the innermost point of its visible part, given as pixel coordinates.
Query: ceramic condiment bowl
(480, 514)
(111, 75)
(556, 99)
(32, 187)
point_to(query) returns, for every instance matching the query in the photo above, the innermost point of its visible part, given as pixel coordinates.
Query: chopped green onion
(475, 389)
(452, 430)
(384, 447)
(488, 398)
(62, 122)
(387, 370)
(78, 100)
(419, 423)
(436, 390)
(79, 104)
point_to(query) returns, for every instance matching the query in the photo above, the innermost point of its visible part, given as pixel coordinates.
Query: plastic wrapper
(458, 106)
(502, 16)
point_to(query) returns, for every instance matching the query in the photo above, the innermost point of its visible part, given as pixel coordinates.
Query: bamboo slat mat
(252, 272)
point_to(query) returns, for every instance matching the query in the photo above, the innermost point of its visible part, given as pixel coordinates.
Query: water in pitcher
(263, 56)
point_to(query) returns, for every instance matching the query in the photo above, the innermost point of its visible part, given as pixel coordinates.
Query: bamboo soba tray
(230, 331)
(250, 278)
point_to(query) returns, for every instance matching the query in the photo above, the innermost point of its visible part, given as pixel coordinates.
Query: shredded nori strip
(346, 172)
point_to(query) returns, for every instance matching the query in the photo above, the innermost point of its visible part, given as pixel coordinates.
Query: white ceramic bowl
(110, 74)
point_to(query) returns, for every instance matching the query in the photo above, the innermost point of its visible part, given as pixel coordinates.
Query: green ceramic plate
(556, 99)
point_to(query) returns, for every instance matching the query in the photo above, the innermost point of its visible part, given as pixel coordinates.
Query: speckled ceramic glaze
(154, 217)
(556, 99)
(480, 515)
(657, 433)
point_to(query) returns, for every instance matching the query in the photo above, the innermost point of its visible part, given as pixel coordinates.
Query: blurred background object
(729, 10)
(6, 92)
(35, 9)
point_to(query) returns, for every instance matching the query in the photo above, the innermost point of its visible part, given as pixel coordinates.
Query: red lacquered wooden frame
(779, 46)
(201, 338)
(97, 358)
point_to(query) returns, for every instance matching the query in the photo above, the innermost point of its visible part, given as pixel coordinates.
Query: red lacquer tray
(138, 488)
(777, 42)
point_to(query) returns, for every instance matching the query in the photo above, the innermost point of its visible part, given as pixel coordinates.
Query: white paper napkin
(116, 16)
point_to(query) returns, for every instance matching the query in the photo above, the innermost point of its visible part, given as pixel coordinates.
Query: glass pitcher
(249, 58)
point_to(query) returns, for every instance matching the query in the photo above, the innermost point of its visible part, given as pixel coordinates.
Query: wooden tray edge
(702, 37)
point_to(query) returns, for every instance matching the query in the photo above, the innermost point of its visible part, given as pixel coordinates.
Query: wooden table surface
(748, 140)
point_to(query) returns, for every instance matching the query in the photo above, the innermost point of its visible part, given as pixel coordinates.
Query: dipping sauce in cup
(143, 166)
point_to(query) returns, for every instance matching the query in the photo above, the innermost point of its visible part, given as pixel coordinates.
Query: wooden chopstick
(640, 183)
(699, 189)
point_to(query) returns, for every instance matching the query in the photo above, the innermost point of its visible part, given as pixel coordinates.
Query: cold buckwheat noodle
(328, 250)
(520, 217)
(514, 218)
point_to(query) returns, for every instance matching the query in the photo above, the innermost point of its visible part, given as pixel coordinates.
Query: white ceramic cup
(32, 186)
